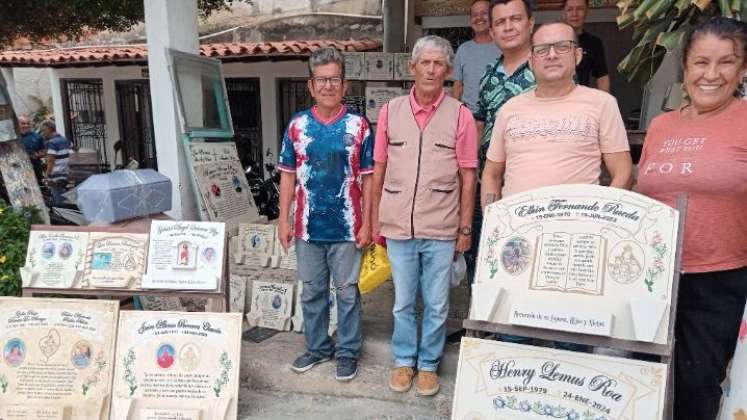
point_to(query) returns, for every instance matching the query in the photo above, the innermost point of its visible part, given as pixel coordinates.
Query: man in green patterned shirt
(511, 25)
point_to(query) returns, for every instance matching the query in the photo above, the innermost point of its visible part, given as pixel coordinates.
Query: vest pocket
(393, 207)
(444, 146)
(443, 207)
(397, 143)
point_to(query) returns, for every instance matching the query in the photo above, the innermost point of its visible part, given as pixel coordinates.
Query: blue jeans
(423, 264)
(56, 189)
(316, 262)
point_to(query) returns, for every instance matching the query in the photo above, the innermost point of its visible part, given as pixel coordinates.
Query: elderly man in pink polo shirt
(425, 160)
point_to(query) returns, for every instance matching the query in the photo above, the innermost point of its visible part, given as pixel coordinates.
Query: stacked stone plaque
(57, 358)
(272, 305)
(177, 365)
(498, 380)
(578, 258)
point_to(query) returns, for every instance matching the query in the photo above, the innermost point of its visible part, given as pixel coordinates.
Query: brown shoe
(427, 383)
(401, 380)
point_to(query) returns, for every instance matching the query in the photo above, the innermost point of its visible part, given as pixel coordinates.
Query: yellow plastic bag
(375, 268)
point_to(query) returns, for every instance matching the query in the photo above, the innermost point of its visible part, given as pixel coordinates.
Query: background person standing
(474, 56)
(593, 62)
(33, 143)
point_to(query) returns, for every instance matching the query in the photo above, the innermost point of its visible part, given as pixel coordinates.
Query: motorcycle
(266, 191)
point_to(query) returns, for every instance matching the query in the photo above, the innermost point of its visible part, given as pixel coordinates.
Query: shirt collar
(416, 107)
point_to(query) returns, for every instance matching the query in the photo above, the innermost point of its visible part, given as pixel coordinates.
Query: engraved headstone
(498, 380)
(177, 365)
(185, 255)
(57, 358)
(54, 259)
(578, 258)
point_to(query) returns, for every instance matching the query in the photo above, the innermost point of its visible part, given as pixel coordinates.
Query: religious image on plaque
(578, 258)
(115, 260)
(54, 259)
(272, 305)
(257, 242)
(497, 380)
(177, 365)
(402, 66)
(57, 358)
(185, 255)
(354, 66)
(379, 65)
(222, 183)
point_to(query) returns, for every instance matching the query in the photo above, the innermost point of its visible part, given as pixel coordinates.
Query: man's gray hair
(49, 124)
(324, 56)
(433, 42)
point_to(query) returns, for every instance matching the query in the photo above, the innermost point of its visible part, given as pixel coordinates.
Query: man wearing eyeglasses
(326, 162)
(560, 132)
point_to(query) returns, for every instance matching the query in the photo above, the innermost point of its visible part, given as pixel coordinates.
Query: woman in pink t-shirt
(701, 150)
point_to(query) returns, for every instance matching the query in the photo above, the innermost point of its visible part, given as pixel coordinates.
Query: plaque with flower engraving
(172, 364)
(57, 357)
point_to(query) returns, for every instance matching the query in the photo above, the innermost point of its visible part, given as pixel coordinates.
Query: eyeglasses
(560, 47)
(334, 81)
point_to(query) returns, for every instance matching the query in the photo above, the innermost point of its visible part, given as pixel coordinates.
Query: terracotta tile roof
(138, 54)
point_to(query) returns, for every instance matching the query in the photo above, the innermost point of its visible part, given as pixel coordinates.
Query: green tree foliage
(660, 25)
(50, 19)
(15, 225)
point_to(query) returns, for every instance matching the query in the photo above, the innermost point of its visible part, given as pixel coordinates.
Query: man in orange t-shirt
(558, 133)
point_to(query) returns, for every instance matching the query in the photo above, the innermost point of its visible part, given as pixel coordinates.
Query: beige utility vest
(421, 191)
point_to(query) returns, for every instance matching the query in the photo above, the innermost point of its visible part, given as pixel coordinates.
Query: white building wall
(268, 72)
(31, 87)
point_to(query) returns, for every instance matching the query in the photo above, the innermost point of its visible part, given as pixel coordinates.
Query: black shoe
(347, 368)
(306, 362)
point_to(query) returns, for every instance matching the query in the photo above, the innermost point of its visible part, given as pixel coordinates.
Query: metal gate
(83, 102)
(294, 97)
(246, 114)
(137, 140)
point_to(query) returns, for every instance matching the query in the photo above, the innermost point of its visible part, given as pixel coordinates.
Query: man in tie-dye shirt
(326, 162)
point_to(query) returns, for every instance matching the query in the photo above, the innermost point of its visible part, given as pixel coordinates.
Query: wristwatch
(466, 231)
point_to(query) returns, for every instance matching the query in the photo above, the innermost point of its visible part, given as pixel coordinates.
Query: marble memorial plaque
(272, 305)
(256, 243)
(734, 404)
(376, 97)
(57, 357)
(560, 249)
(288, 259)
(54, 259)
(497, 380)
(402, 66)
(354, 66)
(185, 255)
(237, 301)
(172, 364)
(222, 183)
(115, 260)
(379, 65)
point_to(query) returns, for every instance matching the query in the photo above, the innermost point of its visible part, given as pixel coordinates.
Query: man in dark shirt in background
(34, 145)
(592, 63)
